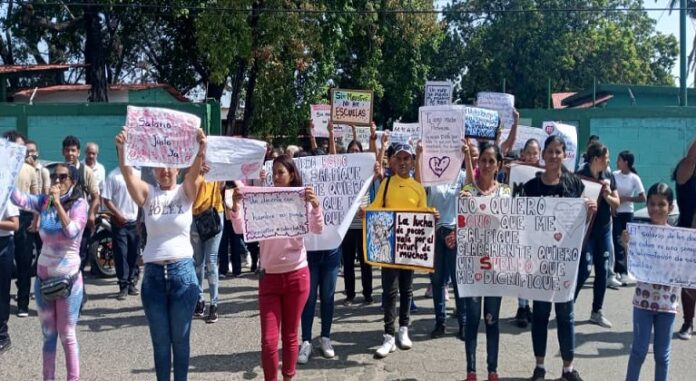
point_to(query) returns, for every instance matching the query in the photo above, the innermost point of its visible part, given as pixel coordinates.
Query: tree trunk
(237, 82)
(215, 91)
(95, 55)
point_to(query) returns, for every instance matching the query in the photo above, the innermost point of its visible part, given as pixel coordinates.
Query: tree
(691, 12)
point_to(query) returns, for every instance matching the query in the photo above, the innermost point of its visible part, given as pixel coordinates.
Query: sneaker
(471, 376)
(447, 294)
(367, 301)
(521, 317)
(326, 349)
(685, 332)
(246, 260)
(388, 346)
(23, 312)
(414, 307)
(305, 352)
(212, 314)
(429, 291)
(133, 290)
(539, 374)
(613, 283)
(493, 376)
(439, 331)
(348, 302)
(200, 309)
(122, 293)
(402, 337)
(573, 375)
(5, 345)
(628, 279)
(599, 319)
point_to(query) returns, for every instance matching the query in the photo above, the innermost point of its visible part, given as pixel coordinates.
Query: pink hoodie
(282, 255)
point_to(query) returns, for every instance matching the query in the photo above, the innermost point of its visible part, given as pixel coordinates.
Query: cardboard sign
(503, 103)
(570, 135)
(413, 130)
(438, 93)
(399, 239)
(481, 123)
(320, 115)
(662, 254)
(232, 158)
(351, 106)
(526, 247)
(160, 137)
(442, 130)
(272, 212)
(339, 181)
(12, 155)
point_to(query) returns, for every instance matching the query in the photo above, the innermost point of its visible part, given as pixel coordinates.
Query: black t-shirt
(686, 200)
(603, 217)
(569, 186)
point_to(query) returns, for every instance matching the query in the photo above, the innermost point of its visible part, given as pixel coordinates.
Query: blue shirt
(444, 198)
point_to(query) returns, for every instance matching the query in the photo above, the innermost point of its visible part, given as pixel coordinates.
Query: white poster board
(442, 131)
(503, 103)
(524, 133)
(320, 115)
(12, 155)
(570, 135)
(232, 158)
(438, 93)
(411, 129)
(274, 212)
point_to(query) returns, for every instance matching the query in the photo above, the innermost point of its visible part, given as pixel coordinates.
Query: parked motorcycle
(101, 251)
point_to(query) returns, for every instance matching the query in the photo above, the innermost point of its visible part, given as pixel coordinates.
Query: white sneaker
(388, 346)
(246, 260)
(404, 342)
(305, 352)
(446, 294)
(326, 349)
(613, 283)
(599, 319)
(628, 279)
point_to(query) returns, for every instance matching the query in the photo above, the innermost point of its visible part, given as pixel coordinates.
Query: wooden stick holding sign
(352, 106)
(400, 239)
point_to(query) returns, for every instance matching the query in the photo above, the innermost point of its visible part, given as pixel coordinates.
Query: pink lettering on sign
(159, 137)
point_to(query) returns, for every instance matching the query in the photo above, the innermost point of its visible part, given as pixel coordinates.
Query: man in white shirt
(124, 234)
(8, 225)
(91, 153)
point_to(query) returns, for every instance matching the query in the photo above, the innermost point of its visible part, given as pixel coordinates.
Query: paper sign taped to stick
(481, 123)
(526, 247)
(570, 134)
(503, 103)
(320, 115)
(438, 93)
(12, 155)
(160, 137)
(411, 129)
(351, 106)
(399, 239)
(339, 181)
(442, 131)
(662, 254)
(274, 212)
(232, 158)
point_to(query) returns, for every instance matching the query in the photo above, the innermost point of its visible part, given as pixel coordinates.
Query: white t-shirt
(115, 190)
(99, 174)
(627, 185)
(11, 210)
(168, 218)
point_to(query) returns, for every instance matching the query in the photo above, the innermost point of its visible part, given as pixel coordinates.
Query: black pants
(24, 255)
(231, 250)
(620, 262)
(254, 250)
(351, 247)
(396, 282)
(6, 252)
(125, 241)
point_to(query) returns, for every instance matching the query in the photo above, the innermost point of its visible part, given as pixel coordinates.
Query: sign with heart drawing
(442, 131)
(526, 247)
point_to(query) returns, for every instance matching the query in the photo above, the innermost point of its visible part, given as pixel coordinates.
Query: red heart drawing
(549, 129)
(461, 221)
(249, 168)
(528, 266)
(478, 276)
(567, 284)
(558, 236)
(482, 206)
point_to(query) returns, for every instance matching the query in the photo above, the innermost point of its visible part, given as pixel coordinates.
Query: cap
(395, 148)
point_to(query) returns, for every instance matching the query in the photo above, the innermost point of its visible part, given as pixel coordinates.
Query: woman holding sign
(555, 181)
(283, 276)
(170, 287)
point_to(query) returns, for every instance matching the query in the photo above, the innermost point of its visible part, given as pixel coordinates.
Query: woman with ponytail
(631, 190)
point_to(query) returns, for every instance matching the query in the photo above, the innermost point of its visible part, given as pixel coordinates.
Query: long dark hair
(594, 150)
(556, 139)
(355, 143)
(630, 159)
(661, 189)
(289, 164)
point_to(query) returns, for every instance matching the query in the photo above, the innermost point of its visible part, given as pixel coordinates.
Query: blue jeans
(323, 272)
(169, 295)
(565, 321)
(596, 252)
(445, 268)
(491, 312)
(205, 256)
(126, 243)
(643, 323)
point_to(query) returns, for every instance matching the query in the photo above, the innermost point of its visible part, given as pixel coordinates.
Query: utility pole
(683, 75)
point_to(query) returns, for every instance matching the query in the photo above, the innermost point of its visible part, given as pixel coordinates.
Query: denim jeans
(6, 252)
(395, 281)
(323, 272)
(125, 242)
(643, 323)
(565, 321)
(491, 312)
(620, 221)
(169, 295)
(596, 252)
(205, 256)
(23, 254)
(445, 268)
(351, 247)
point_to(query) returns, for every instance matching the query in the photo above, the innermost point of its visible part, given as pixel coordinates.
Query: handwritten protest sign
(437, 93)
(526, 247)
(399, 239)
(232, 158)
(662, 254)
(570, 135)
(399, 137)
(520, 173)
(160, 137)
(503, 103)
(363, 134)
(442, 130)
(339, 181)
(351, 106)
(320, 115)
(481, 123)
(411, 129)
(274, 212)
(12, 155)
(524, 133)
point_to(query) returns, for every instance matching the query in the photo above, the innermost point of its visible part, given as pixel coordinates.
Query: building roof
(116, 87)
(557, 99)
(14, 69)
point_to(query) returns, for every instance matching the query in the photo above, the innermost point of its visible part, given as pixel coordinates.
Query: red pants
(281, 300)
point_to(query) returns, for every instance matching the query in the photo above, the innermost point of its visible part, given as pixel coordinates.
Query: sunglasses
(59, 176)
